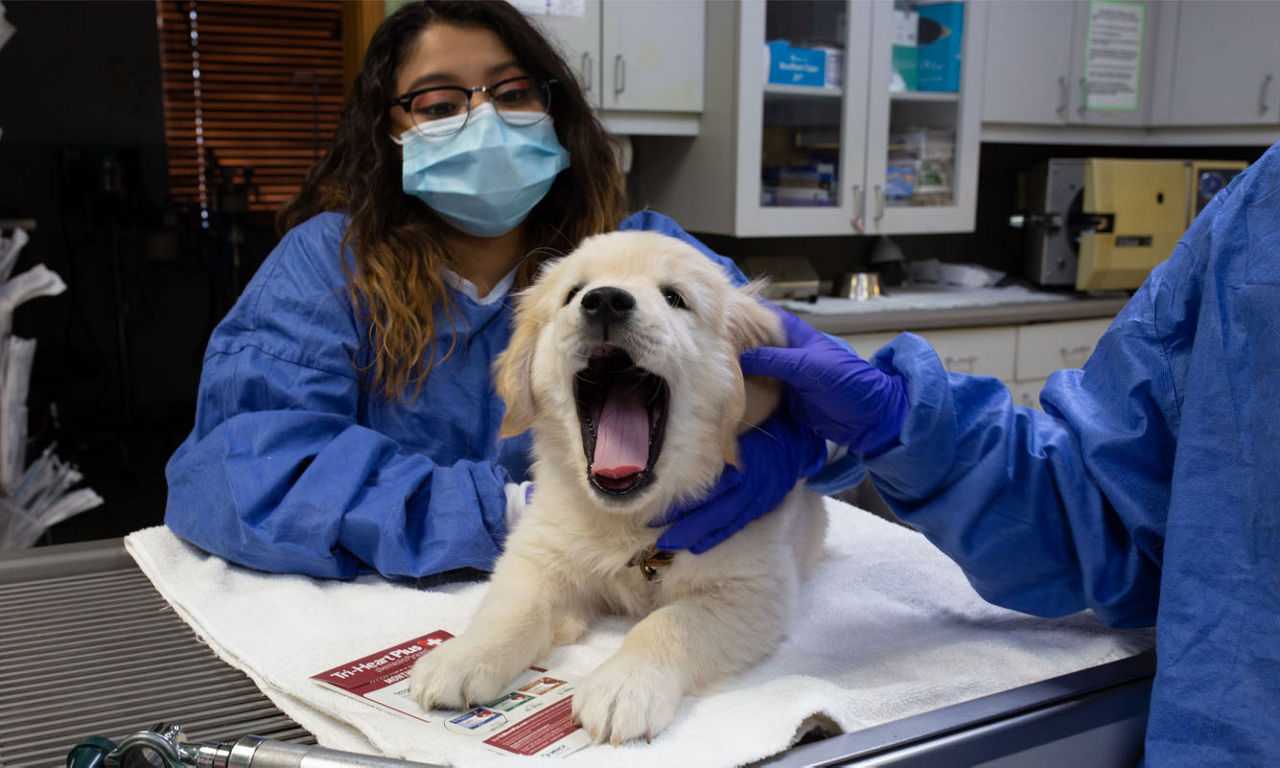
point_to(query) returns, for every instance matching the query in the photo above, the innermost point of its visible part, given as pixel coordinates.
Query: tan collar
(650, 560)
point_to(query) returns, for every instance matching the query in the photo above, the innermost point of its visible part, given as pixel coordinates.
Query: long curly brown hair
(396, 239)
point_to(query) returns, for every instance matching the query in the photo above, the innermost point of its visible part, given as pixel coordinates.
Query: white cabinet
(1046, 347)
(848, 155)
(636, 58)
(1065, 62)
(1225, 65)
(1021, 356)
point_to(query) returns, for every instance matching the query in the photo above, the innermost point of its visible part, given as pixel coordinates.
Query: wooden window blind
(251, 88)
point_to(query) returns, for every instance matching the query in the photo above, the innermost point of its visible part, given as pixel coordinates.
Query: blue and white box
(786, 64)
(940, 37)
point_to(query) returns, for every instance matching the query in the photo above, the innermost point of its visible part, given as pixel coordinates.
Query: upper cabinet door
(922, 130)
(1114, 52)
(1226, 65)
(653, 55)
(1070, 62)
(578, 40)
(1028, 62)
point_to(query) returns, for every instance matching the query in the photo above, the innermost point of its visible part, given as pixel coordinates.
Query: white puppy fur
(569, 557)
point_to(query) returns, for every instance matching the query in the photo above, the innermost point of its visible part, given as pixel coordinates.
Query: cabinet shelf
(926, 96)
(774, 89)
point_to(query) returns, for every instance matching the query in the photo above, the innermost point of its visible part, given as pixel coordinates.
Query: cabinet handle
(587, 77)
(879, 203)
(858, 201)
(1063, 96)
(619, 74)
(1084, 96)
(1071, 354)
(1263, 107)
(954, 363)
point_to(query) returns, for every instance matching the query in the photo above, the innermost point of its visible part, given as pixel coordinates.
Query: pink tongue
(622, 437)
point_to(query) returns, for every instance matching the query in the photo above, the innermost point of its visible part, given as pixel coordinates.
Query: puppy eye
(572, 292)
(674, 298)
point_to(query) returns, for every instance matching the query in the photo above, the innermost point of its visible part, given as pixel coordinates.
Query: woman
(346, 419)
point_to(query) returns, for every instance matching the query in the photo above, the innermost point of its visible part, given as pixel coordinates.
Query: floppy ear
(752, 324)
(513, 372)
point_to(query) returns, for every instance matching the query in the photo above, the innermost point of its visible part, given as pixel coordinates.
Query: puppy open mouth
(622, 410)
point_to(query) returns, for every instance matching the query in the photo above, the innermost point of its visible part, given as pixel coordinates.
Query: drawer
(1027, 392)
(1046, 347)
(867, 344)
(980, 351)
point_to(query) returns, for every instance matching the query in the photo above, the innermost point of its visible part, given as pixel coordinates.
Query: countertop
(918, 309)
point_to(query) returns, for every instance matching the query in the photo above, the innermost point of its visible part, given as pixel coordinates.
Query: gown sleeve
(279, 475)
(1048, 512)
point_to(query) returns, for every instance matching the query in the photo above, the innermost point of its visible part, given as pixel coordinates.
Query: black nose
(607, 306)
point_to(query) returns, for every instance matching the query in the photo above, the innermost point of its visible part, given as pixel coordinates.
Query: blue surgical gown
(295, 465)
(1149, 488)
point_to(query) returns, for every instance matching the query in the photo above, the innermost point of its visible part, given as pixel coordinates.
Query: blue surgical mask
(486, 178)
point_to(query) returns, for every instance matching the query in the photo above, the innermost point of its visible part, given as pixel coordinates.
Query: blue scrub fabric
(1149, 488)
(295, 465)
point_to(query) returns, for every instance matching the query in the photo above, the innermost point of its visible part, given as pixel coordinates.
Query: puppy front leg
(678, 648)
(514, 626)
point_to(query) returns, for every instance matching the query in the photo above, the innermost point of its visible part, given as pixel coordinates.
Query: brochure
(535, 717)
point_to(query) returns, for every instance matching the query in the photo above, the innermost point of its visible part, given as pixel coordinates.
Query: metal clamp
(165, 746)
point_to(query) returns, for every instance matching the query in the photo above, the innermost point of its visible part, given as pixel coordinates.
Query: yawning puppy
(624, 363)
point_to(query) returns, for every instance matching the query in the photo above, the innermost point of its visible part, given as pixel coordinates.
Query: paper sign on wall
(1113, 55)
(573, 8)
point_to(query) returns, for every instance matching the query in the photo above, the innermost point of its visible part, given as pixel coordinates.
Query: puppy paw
(458, 674)
(625, 698)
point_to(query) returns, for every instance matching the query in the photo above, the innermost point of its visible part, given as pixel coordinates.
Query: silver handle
(1084, 96)
(859, 200)
(587, 77)
(619, 74)
(1070, 354)
(1263, 108)
(1063, 97)
(954, 363)
(879, 203)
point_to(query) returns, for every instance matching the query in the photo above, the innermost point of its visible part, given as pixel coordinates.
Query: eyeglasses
(518, 101)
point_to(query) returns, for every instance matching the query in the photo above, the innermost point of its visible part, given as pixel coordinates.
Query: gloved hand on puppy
(832, 394)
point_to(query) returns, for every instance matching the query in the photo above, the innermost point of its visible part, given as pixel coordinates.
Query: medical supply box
(939, 39)
(787, 64)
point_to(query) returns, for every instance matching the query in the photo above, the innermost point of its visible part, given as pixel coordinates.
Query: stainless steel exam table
(87, 647)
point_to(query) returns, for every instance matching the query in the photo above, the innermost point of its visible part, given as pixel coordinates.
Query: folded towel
(888, 628)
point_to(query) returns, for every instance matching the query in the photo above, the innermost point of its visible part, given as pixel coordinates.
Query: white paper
(1113, 55)
(573, 8)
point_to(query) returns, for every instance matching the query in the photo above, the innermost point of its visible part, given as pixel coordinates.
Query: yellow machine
(1104, 223)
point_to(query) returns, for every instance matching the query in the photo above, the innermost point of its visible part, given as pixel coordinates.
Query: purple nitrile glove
(774, 455)
(838, 394)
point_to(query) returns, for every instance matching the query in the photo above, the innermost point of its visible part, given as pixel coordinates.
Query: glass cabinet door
(803, 101)
(923, 117)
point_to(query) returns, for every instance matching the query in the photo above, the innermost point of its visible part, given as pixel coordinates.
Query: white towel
(888, 628)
